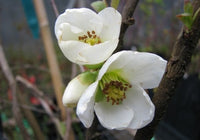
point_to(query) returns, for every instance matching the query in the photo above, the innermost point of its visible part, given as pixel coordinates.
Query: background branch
(55, 9)
(180, 59)
(12, 83)
(22, 97)
(38, 93)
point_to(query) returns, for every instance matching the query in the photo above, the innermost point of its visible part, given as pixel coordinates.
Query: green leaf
(186, 18)
(98, 5)
(115, 3)
(188, 8)
(99, 96)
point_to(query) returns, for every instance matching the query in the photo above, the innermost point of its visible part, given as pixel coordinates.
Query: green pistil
(90, 38)
(112, 87)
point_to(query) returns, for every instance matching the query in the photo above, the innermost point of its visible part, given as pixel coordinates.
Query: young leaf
(188, 8)
(98, 5)
(186, 18)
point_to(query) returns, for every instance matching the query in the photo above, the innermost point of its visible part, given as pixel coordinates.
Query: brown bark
(176, 67)
(127, 19)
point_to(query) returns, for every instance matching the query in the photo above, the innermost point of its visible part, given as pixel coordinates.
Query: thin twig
(68, 110)
(38, 93)
(74, 70)
(12, 83)
(179, 61)
(69, 134)
(29, 66)
(81, 68)
(71, 4)
(127, 19)
(55, 9)
(69, 119)
(31, 118)
(24, 106)
(106, 2)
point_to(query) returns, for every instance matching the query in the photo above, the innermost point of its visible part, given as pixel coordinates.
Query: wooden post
(50, 53)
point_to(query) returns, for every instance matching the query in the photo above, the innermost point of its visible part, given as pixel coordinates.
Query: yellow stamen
(114, 87)
(90, 38)
(115, 91)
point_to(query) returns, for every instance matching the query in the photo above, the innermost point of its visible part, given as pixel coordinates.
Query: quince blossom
(86, 37)
(117, 96)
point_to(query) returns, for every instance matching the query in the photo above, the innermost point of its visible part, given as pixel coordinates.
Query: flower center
(90, 38)
(114, 87)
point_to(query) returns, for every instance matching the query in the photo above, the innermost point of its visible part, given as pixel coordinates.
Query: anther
(113, 101)
(85, 37)
(125, 88)
(108, 99)
(121, 88)
(89, 34)
(90, 38)
(124, 96)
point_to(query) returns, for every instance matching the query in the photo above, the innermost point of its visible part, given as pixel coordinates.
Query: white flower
(86, 37)
(117, 96)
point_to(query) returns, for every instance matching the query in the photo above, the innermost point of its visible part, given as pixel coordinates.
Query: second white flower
(86, 37)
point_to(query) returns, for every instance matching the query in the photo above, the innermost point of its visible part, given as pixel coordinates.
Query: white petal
(68, 32)
(111, 23)
(145, 69)
(99, 52)
(111, 61)
(85, 107)
(113, 116)
(73, 91)
(139, 101)
(72, 49)
(84, 54)
(82, 18)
